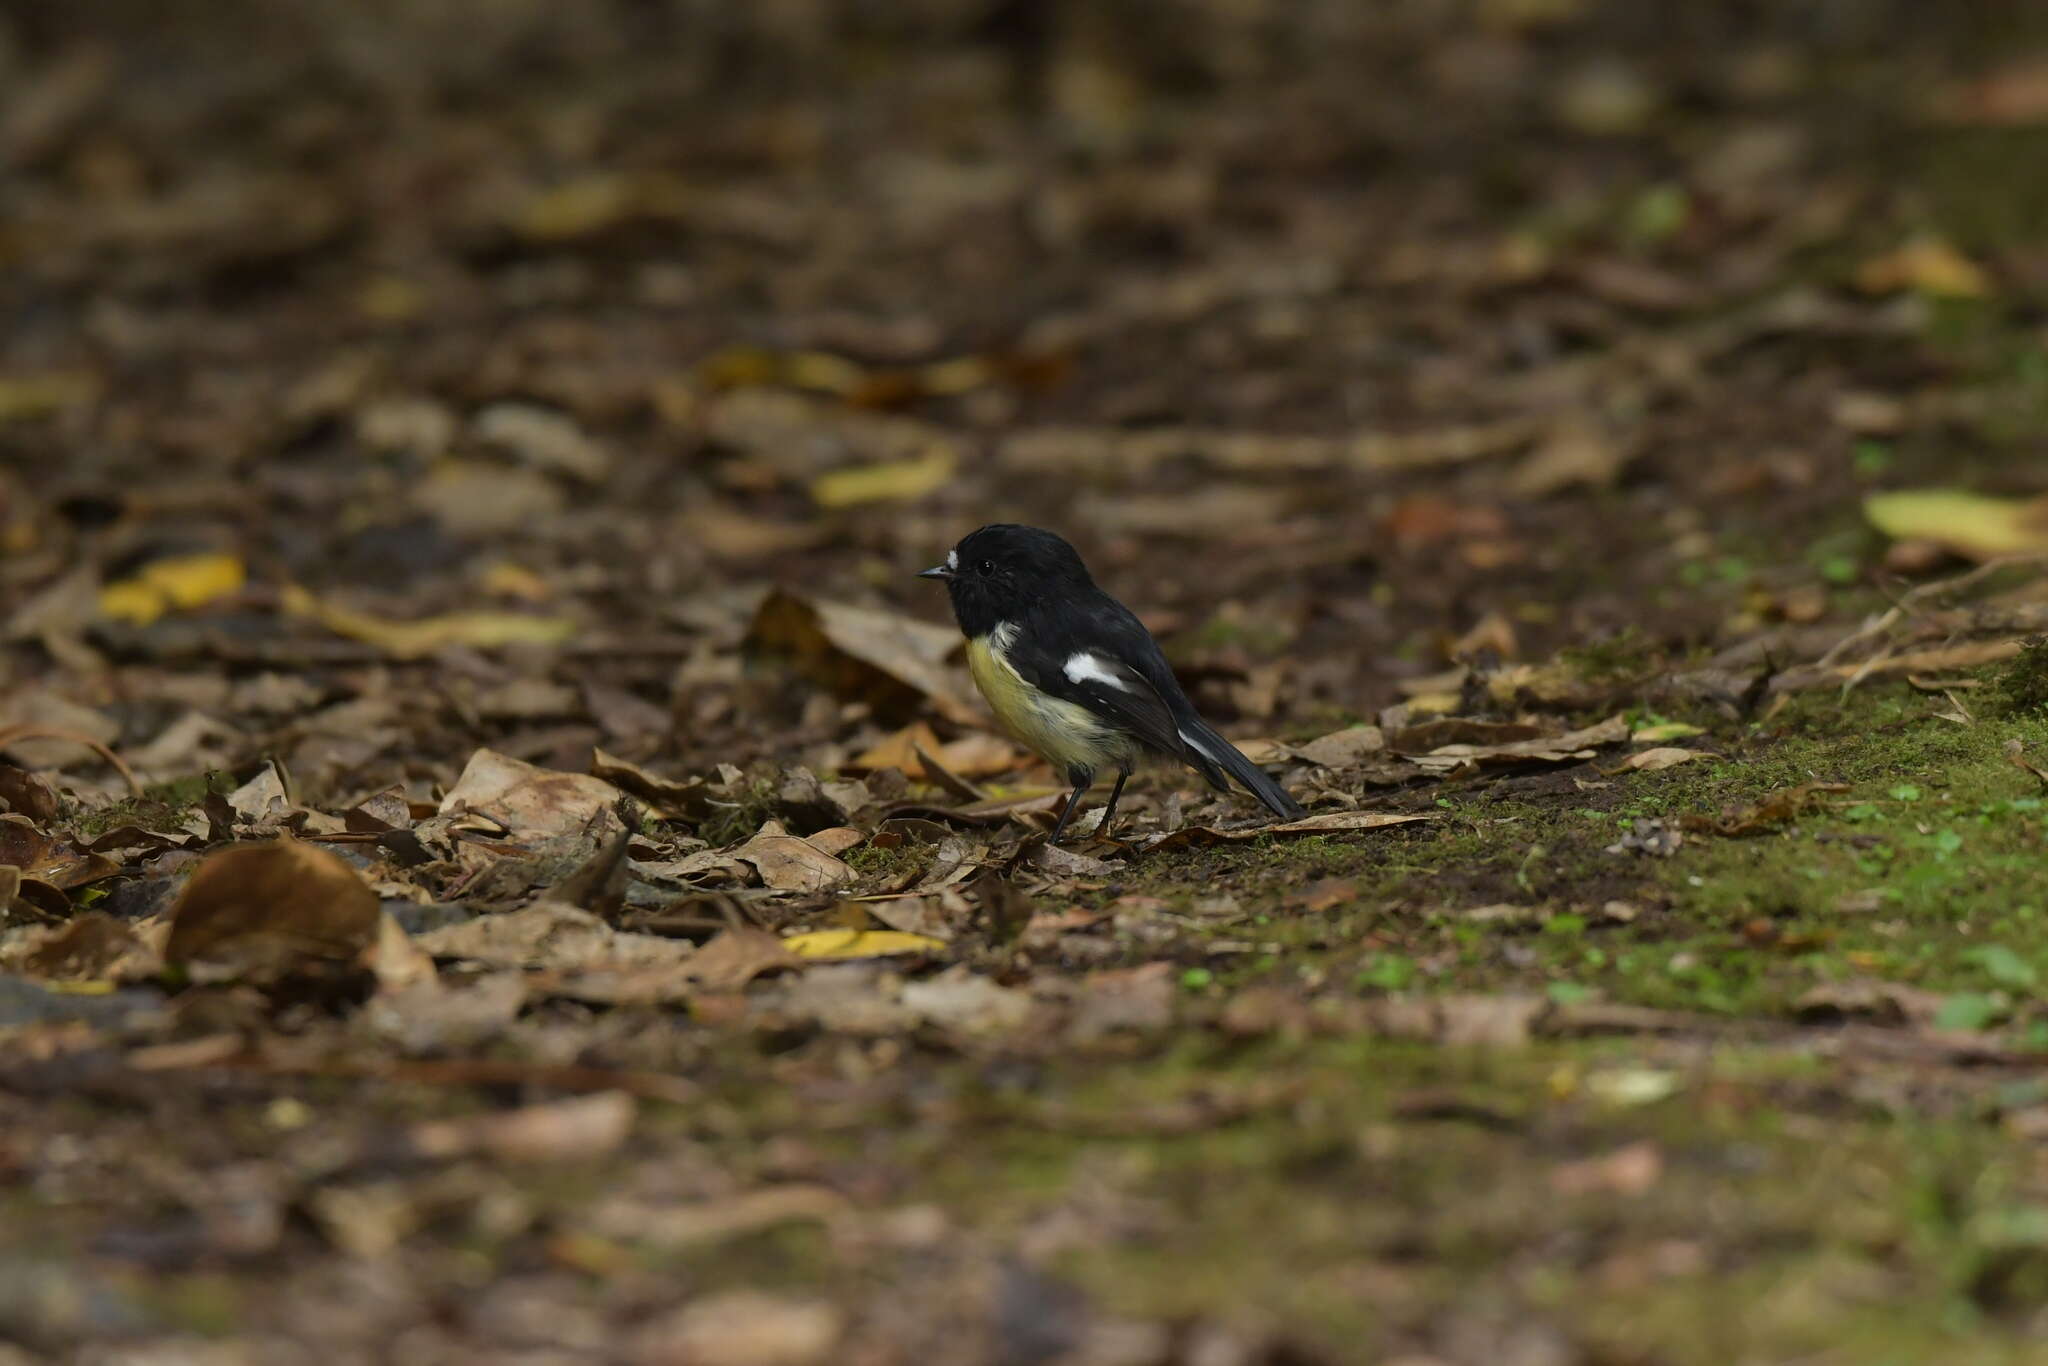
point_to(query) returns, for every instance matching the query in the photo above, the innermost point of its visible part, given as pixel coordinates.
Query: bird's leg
(1109, 811)
(1082, 780)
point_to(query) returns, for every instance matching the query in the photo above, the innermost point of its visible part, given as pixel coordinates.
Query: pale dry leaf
(967, 1003)
(1324, 823)
(92, 945)
(712, 1221)
(1575, 454)
(740, 1328)
(430, 1016)
(577, 1129)
(1344, 748)
(1555, 749)
(835, 840)
(1652, 760)
(266, 798)
(788, 863)
(737, 956)
(397, 962)
(1628, 1171)
(552, 936)
(532, 803)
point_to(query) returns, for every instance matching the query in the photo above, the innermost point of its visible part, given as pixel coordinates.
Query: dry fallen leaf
(1554, 749)
(848, 943)
(891, 481)
(788, 863)
(551, 936)
(1974, 525)
(899, 750)
(266, 911)
(177, 582)
(37, 395)
(967, 1003)
(576, 1129)
(1630, 1170)
(1344, 748)
(46, 859)
(90, 946)
(1651, 760)
(531, 802)
(414, 639)
(741, 1328)
(1327, 823)
(710, 1221)
(1927, 265)
(894, 663)
(736, 957)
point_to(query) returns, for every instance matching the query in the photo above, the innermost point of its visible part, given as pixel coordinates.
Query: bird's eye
(988, 566)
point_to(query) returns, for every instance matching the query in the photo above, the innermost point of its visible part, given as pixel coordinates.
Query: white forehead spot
(1083, 667)
(952, 559)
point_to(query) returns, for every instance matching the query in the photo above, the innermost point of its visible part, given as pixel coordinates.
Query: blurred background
(1358, 337)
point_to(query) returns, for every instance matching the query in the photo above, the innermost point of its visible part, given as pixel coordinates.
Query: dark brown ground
(501, 356)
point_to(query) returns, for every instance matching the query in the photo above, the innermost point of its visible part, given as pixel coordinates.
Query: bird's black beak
(937, 571)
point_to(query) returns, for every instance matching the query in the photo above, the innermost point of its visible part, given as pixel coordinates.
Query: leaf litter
(486, 738)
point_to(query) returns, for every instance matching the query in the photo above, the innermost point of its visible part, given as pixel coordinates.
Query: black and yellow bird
(1074, 674)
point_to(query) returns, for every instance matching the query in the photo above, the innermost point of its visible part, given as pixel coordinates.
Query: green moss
(2023, 682)
(161, 806)
(739, 817)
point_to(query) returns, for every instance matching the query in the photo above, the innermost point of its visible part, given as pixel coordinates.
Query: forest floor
(508, 866)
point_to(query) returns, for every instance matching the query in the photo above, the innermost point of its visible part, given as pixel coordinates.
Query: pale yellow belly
(1068, 735)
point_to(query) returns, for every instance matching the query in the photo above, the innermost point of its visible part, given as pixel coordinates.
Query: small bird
(1073, 673)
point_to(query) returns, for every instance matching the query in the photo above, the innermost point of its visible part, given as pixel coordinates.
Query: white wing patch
(1192, 743)
(1084, 667)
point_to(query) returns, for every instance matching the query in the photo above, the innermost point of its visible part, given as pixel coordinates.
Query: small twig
(1908, 604)
(29, 730)
(955, 785)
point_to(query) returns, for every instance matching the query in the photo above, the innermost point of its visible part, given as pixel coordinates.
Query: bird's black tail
(1216, 756)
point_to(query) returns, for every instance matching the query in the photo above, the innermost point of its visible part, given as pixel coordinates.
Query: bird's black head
(997, 573)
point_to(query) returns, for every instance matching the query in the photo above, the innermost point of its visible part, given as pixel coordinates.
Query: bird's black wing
(1085, 658)
(1103, 657)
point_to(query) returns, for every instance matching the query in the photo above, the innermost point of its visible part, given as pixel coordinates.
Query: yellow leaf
(177, 581)
(412, 639)
(1928, 265)
(391, 299)
(40, 395)
(578, 208)
(80, 987)
(859, 943)
(893, 481)
(504, 579)
(1665, 730)
(1971, 524)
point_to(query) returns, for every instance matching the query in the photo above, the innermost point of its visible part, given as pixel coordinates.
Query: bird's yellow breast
(1066, 733)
